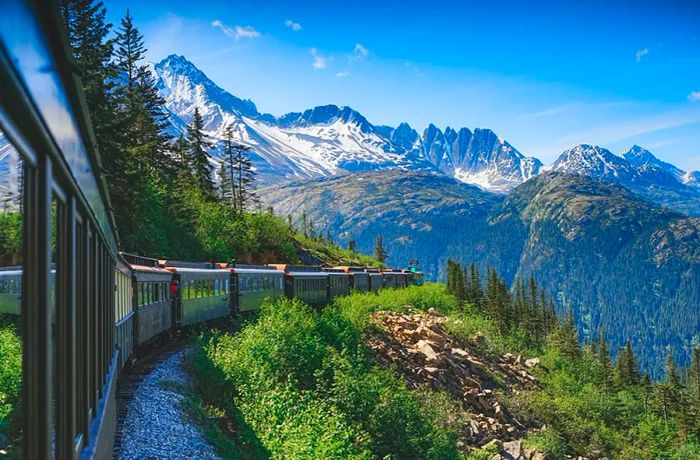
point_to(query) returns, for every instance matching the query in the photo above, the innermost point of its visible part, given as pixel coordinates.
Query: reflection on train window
(11, 223)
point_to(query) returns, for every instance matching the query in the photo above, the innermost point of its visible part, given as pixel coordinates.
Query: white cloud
(236, 32)
(609, 133)
(641, 53)
(295, 26)
(360, 51)
(694, 96)
(342, 74)
(414, 68)
(320, 62)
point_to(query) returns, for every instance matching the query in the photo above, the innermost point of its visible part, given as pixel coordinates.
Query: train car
(376, 280)
(151, 294)
(202, 294)
(252, 285)
(338, 282)
(10, 290)
(359, 278)
(306, 283)
(402, 279)
(124, 331)
(389, 278)
(417, 278)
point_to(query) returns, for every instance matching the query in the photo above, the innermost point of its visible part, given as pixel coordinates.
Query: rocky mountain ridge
(330, 140)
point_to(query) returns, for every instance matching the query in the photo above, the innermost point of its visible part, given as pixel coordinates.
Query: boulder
(532, 362)
(425, 348)
(514, 448)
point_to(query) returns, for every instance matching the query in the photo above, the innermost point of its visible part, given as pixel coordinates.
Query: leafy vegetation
(10, 380)
(305, 385)
(10, 236)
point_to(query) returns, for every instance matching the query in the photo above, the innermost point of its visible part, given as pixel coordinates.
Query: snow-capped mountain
(331, 140)
(594, 161)
(637, 169)
(479, 157)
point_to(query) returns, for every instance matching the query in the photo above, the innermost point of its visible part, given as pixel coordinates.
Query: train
(155, 299)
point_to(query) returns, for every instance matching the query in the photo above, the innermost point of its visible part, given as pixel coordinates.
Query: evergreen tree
(694, 376)
(228, 157)
(565, 337)
(474, 292)
(455, 280)
(379, 252)
(627, 366)
(198, 157)
(244, 179)
(92, 55)
(602, 352)
(352, 245)
(225, 188)
(304, 224)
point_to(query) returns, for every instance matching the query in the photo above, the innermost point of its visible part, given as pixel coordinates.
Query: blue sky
(543, 75)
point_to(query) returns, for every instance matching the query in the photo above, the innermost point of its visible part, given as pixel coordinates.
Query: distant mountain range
(620, 262)
(331, 140)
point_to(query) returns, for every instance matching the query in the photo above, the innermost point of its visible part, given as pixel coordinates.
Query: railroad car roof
(199, 270)
(266, 271)
(318, 274)
(147, 269)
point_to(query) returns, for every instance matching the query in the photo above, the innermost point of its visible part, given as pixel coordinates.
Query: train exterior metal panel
(359, 281)
(124, 333)
(152, 302)
(338, 284)
(251, 287)
(389, 279)
(376, 281)
(203, 295)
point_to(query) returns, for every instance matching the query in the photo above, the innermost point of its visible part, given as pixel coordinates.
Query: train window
(156, 292)
(210, 286)
(11, 227)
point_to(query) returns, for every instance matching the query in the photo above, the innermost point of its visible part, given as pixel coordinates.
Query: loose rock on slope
(422, 351)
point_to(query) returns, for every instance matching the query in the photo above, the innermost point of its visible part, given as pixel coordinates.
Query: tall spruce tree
(199, 158)
(228, 156)
(352, 245)
(694, 376)
(92, 53)
(379, 252)
(602, 351)
(474, 291)
(565, 337)
(627, 366)
(244, 179)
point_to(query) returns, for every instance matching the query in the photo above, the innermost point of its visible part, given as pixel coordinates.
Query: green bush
(307, 387)
(358, 307)
(10, 380)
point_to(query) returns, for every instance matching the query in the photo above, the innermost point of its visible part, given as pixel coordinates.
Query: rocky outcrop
(417, 345)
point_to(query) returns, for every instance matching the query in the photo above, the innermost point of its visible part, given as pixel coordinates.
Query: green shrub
(10, 380)
(307, 388)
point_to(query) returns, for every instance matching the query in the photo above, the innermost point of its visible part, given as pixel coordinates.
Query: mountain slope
(620, 262)
(639, 170)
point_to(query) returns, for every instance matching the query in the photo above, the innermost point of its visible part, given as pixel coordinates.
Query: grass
(301, 385)
(334, 255)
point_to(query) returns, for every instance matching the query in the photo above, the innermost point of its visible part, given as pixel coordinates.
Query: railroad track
(131, 379)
